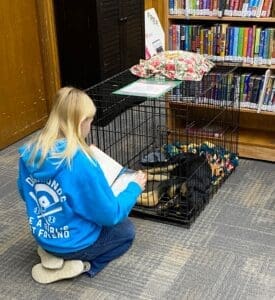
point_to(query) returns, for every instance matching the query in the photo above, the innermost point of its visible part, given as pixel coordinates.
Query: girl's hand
(141, 179)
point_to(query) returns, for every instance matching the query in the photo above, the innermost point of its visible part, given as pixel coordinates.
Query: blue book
(246, 89)
(182, 37)
(187, 37)
(250, 8)
(231, 43)
(171, 7)
(235, 42)
(261, 46)
(266, 45)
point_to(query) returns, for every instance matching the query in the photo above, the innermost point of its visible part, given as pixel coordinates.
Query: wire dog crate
(185, 140)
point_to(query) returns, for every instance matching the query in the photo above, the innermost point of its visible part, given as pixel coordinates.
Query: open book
(116, 175)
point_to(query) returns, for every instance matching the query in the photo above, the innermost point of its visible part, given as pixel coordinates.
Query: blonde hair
(71, 107)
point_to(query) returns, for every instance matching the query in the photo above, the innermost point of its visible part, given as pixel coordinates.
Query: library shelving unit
(257, 129)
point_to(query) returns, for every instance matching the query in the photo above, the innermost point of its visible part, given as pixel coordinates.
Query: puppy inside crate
(183, 182)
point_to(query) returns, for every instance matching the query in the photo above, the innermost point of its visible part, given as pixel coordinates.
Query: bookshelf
(257, 129)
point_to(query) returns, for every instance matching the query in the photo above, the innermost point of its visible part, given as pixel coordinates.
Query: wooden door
(29, 70)
(134, 35)
(109, 18)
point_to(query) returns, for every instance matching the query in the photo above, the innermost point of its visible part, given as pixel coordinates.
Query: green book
(242, 89)
(240, 43)
(257, 45)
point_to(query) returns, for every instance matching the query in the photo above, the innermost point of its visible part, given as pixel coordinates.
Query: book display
(234, 33)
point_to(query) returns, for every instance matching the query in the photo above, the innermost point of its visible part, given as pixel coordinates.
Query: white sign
(154, 34)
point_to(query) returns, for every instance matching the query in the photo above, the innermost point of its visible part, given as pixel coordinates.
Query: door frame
(48, 46)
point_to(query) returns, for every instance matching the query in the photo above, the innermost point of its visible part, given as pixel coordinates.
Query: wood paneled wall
(29, 67)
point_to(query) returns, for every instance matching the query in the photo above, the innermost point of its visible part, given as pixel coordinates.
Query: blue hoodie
(67, 206)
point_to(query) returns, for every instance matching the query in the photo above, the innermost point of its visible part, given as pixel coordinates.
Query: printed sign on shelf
(154, 34)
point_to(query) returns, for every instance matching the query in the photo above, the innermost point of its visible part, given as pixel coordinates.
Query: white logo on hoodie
(47, 197)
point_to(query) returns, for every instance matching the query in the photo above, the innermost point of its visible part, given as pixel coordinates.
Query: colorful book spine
(171, 7)
(261, 46)
(240, 44)
(236, 90)
(170, 38)
(263, 91)
(210, 44)
(272, 100)
(273, 47)
(266, 8)
(266, 46)
(249, 101)
(201, 41)
(239, 10)
(246, 90)
(221, 7)
(178, 38)
(223, 40)
(235, 33)
(255, 7)
(245, 43)
(255, 92)
(267, 94)
(249, 54)
(249, 8)
(259, 8)
(174, 37)
(242, 94)
(245, 8)
(257, 45)
(182, 37)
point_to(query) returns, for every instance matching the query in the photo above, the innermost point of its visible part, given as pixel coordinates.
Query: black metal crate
(186, 140)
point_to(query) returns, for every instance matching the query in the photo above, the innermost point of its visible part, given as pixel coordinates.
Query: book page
(116, 175)
(122, 181)
(108, 165)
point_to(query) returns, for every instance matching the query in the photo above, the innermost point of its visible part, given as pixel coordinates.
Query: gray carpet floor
(228, 253)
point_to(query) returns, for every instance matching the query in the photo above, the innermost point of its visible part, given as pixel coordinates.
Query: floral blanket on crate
(174, 65)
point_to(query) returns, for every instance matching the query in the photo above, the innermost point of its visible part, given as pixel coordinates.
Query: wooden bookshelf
(224, 19)
(257, 144)
(243, 65)
(257, 130)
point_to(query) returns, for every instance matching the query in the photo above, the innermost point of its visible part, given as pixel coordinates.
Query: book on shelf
(266, 8)
(230, 8)
(259, 8)
(271, 106)
(247, 90)
(256, 88)
(257, 45)
(267, 100)
(272, 46)
(263, 91)
(252, 45)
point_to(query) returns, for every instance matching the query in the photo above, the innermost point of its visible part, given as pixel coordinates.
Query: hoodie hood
(51, 165)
